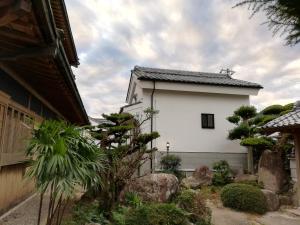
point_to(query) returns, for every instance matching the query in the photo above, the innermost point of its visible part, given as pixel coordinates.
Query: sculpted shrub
(244, 197)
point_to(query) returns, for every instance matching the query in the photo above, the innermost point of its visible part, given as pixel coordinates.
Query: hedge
(244, 197)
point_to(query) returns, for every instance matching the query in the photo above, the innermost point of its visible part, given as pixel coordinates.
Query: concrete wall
(14, 187)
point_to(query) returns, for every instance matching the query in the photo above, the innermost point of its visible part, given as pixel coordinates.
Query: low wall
(192, 160)
(14, 187)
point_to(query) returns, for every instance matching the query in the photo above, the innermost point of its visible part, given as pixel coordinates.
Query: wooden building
(36, 82)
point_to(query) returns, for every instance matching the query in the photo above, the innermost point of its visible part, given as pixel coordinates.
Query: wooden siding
(16, 126)
(14, 186)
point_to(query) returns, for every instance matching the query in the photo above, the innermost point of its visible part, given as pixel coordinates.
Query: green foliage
(118, 216)
(261, 143)
(266, 118)
(61, 158)
(245, 112)
(156, 214)
(83, 213)
(284, 112)
(244, 197)
(125, 148)
(222, 173)
(132, 199)
(171, 164)
(252, 183)
(272, 110)
(282, 16)
(239, 132)
(194, 203)
(233, 119)
(288, 107)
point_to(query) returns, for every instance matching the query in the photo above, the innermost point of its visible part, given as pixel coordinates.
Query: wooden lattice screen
(16, 126)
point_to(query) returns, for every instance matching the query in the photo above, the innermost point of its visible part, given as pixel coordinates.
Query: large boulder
(157, 187)
(271, 171)
(272, 199)
(201, 177)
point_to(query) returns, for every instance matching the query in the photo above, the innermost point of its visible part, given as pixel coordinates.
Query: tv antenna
(227, 71)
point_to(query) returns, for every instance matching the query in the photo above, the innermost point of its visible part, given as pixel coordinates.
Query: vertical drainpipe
(151, 127)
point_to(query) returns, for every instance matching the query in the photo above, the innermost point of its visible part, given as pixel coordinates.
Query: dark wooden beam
(12, 10)
(29, 53)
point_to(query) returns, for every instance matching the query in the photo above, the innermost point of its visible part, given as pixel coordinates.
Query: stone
(285, 200)
(157, 187)
(245, 177)
(271, 171)
(201, 177)
(272, 199)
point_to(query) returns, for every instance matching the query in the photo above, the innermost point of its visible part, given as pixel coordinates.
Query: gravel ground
(26, 214)
(225, 216)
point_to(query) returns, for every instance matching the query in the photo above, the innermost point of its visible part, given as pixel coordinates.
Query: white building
(193, 107)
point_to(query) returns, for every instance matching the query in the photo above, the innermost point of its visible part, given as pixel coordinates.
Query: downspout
(151, 127)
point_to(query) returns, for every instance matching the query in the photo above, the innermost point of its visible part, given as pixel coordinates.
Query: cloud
(113, 36)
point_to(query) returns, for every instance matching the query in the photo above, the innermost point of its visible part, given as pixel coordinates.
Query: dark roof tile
(181, 76)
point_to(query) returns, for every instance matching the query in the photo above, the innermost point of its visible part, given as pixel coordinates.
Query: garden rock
(154, 187)
(201, 177)
(272, 200)
(245, 177)
(271, 171)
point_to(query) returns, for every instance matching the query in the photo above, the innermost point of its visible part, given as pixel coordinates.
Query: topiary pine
(245, 112)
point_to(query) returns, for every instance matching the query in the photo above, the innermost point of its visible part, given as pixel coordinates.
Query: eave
(37, 55)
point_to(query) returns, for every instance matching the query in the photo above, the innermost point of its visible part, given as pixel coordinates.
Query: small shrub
(132, 199)
(156, 214)
(222, 173)
(118, 216)
(83, 213)
(244, 197)
(171, 164)
(194, 203)
(288, 107)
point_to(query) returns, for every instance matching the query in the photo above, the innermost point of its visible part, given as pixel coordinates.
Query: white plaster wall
(179, 120)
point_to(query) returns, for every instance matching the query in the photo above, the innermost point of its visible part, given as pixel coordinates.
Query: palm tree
(62, 158)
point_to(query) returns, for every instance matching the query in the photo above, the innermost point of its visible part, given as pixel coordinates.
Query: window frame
(206, 115)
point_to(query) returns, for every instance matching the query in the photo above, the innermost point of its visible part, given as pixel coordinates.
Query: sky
(112, 36)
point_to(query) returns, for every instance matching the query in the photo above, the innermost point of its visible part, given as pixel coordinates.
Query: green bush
(222, 173)
(171, 164)
(244, 197)
(243, 130)
(288, 107)
(194, 203)
(233, 119)
(245, 112)
(83, 213)
(252, 183)
(273, 110)
(258, 142)
(156, 214)
(132, 199)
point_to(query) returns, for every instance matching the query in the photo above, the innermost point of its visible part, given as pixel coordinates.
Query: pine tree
(125, 147)
(282, 16)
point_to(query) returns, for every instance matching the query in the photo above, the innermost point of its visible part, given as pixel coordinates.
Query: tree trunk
(250, 160)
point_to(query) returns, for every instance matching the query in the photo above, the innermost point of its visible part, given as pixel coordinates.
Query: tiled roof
(289, 120)
(99, 121)
(180, 76)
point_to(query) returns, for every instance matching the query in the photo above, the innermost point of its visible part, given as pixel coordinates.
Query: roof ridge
(181, 72)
